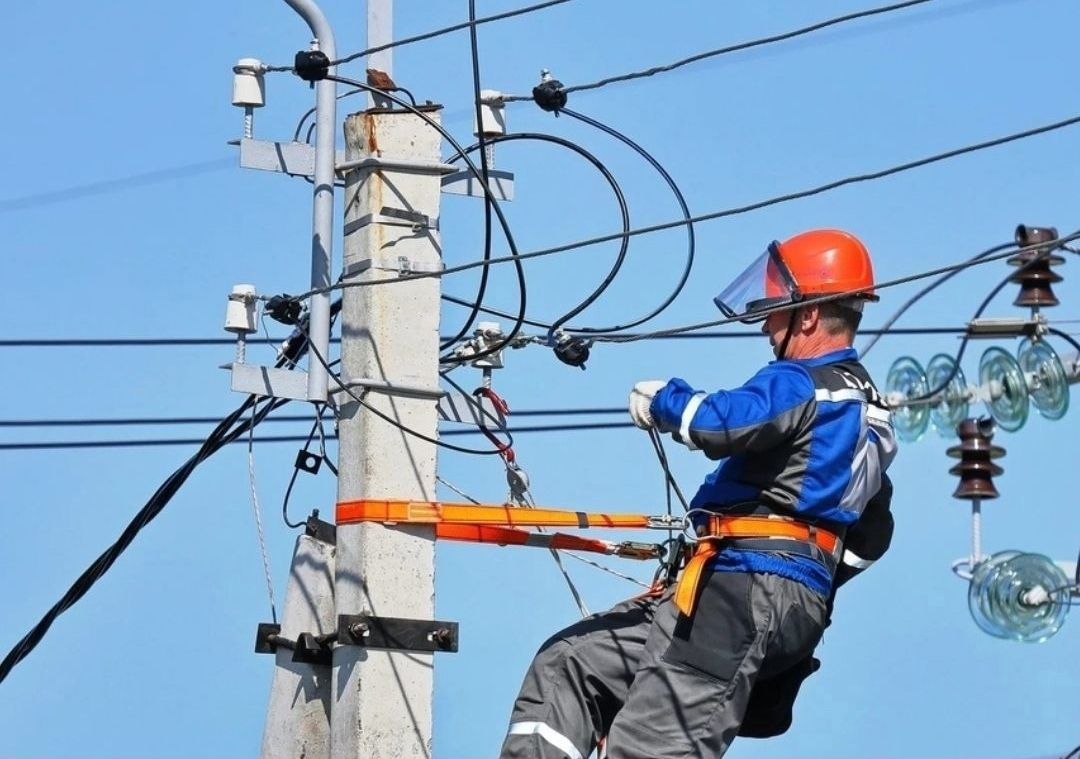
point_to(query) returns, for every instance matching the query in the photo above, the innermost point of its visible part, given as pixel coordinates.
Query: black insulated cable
(229, 430)
(620, 199)
(495, 205)
(691, 243)
(726, 213)
(485, 178)
(906, 305)
(737, 47)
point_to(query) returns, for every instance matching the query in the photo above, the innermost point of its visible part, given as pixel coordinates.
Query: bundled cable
(227, 431)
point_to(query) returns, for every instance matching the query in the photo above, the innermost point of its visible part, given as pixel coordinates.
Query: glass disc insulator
(1008, 402)
(952, 405)
(1018, 596)
(1047, 381)
(907, 380)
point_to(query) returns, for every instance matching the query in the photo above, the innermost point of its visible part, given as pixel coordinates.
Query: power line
(437, 33)
(728, 212)
(182, 420)
(733, 48)
(84, 444)
(114, 185)
(169, 342)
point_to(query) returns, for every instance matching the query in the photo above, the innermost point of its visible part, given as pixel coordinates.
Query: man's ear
(809, 318)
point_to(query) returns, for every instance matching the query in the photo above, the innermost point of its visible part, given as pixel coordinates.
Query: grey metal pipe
(323, 211)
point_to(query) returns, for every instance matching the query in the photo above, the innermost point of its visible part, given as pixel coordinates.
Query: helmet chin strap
(787, 336)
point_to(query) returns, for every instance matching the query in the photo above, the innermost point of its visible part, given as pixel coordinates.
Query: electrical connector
(311, 65)
(550, 94)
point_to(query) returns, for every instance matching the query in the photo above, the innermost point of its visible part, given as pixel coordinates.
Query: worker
(804, 445)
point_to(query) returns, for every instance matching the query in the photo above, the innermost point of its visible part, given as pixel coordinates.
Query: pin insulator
(976, 453)
(1036, 276)
(311, 65)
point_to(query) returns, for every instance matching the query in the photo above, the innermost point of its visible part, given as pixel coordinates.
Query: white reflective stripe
(687, 417)
(549, 734)
(854, 561)
(848, 394)
(878, 414)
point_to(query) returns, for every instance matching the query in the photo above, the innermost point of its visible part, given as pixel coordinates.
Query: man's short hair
(841, 317)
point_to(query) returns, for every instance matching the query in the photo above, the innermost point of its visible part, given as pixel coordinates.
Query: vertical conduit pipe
(323, 212)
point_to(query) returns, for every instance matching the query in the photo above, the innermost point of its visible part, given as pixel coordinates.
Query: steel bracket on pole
(397, 634)
(466, 183)
(270, 382)
(308, 648)
(324, 532)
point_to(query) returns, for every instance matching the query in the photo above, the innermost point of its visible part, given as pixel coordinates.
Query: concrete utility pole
(390, 333)
(298, 716)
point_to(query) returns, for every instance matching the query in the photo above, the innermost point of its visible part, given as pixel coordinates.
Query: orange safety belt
(436, 512)
(720, 527)
(504, 536)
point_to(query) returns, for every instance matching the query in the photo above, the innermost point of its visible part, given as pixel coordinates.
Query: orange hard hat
(828, 261)
(818, 262)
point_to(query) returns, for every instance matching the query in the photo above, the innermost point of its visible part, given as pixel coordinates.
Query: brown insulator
(1035, 275)
(976, 468)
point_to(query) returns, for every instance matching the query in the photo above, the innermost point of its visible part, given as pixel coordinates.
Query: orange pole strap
(510, 536)
(436, 512)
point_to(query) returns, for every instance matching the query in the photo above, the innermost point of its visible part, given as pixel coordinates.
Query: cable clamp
(405, 265)
(392, 388)
(394, 217)
(396, 164)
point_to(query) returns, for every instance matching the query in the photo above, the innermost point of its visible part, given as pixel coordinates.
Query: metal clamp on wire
(550, 94)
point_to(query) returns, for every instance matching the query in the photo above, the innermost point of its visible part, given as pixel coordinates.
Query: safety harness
(501, 525)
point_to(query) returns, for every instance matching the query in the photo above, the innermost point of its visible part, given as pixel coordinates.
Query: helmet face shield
(765, 283)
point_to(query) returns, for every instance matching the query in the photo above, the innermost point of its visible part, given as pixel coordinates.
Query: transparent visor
(763, 284)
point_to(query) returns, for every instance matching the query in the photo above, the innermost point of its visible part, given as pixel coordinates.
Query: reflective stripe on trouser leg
(548, 733)
(577, 683)
(695, 676)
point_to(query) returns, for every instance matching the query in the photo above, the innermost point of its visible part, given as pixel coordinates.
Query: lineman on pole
(798, 504)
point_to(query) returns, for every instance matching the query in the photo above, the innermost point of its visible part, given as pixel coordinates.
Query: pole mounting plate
(396, 633)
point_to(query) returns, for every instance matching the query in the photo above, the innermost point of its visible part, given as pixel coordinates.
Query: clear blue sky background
(157, 660)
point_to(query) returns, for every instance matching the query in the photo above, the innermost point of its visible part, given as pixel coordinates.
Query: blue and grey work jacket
(809, 438)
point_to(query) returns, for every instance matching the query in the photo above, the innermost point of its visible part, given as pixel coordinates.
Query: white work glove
(641, 398)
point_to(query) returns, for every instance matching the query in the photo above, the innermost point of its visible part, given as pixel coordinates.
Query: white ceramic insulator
(248, 88)
(492, 114)
(240, 313)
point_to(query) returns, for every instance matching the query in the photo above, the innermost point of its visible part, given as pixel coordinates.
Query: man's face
(776, 327)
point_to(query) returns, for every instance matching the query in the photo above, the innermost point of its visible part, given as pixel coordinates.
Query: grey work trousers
(654, 683)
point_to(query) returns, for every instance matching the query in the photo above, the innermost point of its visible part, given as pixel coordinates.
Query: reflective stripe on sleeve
(687, 418)
(855, 561)
(548, 733)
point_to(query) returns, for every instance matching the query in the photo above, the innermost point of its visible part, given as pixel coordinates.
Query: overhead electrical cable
(90, 189)
(923, 293)
(1043, 251)
(834, 296)
(485, 187)
(436, 33)
(153, 443)
(168, 342)
(736, 211)
(620, 199)
(736, 48)
(229, 430)
(485, 180)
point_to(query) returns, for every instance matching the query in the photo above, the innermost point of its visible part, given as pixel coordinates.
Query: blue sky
(157, 660)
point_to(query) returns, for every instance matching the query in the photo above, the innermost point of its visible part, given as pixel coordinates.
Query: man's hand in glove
(640, 399)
